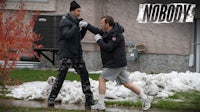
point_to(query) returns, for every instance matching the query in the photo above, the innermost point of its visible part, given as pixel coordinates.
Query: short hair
(109, 20)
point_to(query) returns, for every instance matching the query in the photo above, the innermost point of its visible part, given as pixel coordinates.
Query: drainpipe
(191, 57)
(198, 47)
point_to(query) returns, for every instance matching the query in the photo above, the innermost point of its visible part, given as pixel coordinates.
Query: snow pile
(158, 85)
(164, 85)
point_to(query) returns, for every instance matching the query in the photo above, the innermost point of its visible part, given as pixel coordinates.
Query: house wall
(168, 45)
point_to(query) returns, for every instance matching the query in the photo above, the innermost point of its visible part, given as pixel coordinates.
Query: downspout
(198, 46)
(191, 57)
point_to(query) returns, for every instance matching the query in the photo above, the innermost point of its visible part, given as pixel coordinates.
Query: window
(48, 27)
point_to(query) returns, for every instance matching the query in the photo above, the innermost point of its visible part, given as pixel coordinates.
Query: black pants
(79, 65)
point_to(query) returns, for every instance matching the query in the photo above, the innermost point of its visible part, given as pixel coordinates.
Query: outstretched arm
(94, 29)
(83, 32)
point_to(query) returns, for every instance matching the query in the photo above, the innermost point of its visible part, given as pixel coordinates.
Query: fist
(83, 24)
(98, 37)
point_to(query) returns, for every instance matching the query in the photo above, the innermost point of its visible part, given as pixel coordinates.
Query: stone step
(27, 64)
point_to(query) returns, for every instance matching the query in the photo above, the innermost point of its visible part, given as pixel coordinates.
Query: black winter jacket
(112, 46)
(70, 37)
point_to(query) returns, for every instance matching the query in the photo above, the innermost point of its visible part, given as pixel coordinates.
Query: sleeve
(83, 32)
(94, 29)
(68, 31)
(112, 43)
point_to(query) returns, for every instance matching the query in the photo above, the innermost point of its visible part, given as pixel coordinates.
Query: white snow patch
(158, 85)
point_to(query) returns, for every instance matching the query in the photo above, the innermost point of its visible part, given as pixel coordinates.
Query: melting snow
(158, 85)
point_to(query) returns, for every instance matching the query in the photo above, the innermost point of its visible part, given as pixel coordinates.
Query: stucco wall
(154, 63)
(168, 45)
(173, 38)
(170, 39)
(48, 5)
(149, 63)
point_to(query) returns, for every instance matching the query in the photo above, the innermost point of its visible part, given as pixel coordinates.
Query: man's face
(103, 25)
(76, 12)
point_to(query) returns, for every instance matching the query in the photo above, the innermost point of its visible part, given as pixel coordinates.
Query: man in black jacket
(70, 53)
(112, 45)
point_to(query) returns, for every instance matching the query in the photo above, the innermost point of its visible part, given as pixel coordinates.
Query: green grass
(28, 75)
(124, 103)
(180, 101)
(189, 101)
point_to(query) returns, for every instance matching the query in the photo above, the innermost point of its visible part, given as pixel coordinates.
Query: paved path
(43, 104)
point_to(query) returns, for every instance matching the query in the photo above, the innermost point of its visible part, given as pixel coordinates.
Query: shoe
(51, 102)
(146, 104)
(98, 106)
(89, 102)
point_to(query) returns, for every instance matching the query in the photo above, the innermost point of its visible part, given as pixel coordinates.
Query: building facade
(168, 46)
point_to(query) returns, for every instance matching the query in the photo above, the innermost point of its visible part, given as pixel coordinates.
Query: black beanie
(74, 5)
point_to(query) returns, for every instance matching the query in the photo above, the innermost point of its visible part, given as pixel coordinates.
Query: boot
(51, 102)
(54, 92)
(89, 101)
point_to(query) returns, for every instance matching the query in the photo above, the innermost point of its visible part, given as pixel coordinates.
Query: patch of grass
(25, 109)
(180, 101)
(3, 92)
(28, 75)
(124, 103)
(166, 104)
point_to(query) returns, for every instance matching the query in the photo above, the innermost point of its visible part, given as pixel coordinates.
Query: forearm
(106, 46)
(94, 29)
(83, 32)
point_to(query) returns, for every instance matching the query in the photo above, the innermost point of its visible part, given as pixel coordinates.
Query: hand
(83, 24)
(98, 37)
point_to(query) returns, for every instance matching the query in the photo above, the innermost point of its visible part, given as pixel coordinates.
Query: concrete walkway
(43, 104)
